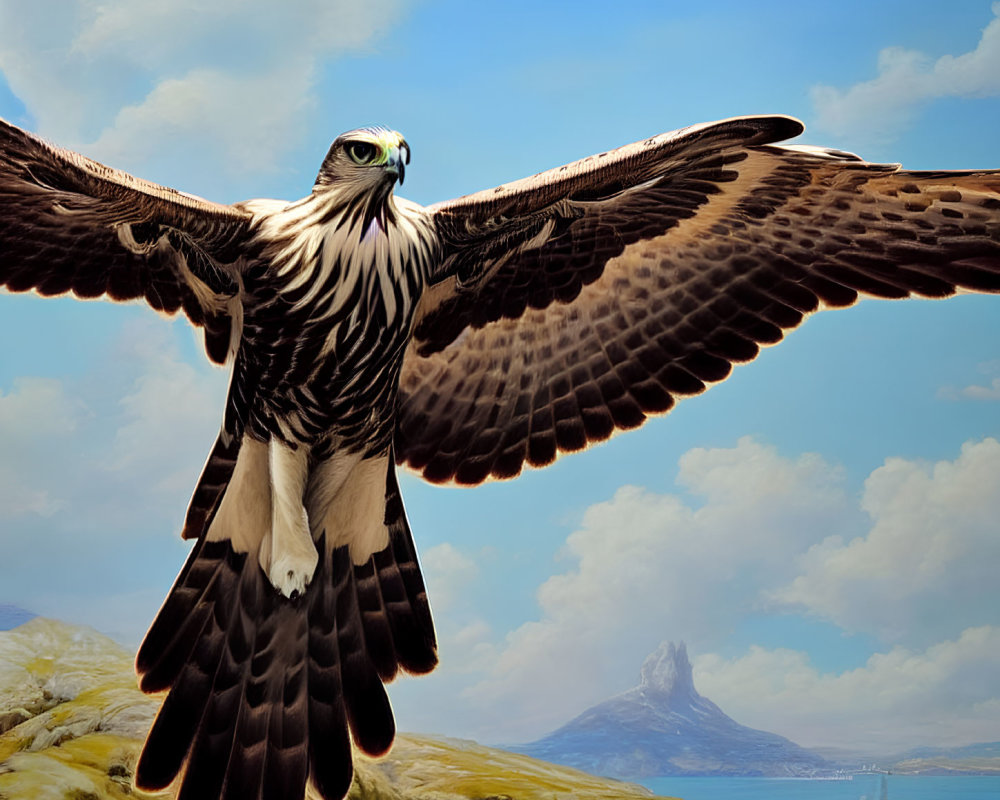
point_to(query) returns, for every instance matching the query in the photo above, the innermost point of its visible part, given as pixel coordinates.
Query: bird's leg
(291, 558)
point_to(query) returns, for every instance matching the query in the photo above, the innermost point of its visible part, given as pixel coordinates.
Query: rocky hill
(664, 727)
(72, 723)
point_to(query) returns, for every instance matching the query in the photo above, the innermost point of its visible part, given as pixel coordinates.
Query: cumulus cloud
(35, 408)
(988, 391)
(911, 561)
(36, 413)
(977, 391)
(645, 565)
(140, 428)
(97, 469)
(991, 391)
(945, 694)
(217, 109)
(877, 109)
(18, 497)
(930, 556)
(228, 81)
(170, 405)
(449, 571)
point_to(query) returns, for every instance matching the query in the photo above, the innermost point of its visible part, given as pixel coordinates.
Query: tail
(221, 462)
(215, 477)
(265, 693)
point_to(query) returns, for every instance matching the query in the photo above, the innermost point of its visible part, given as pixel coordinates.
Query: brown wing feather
(657, 304)
(69, 224)
(541, 239)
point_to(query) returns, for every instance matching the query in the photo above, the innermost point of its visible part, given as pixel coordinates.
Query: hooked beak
(399, 157)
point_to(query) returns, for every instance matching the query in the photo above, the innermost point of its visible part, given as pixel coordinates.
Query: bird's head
(371, 159)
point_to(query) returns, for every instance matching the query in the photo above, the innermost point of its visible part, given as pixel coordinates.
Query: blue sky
(820, 528)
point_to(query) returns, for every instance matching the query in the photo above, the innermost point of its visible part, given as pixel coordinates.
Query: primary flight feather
(465, 340)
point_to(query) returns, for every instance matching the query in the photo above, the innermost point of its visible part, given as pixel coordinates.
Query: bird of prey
(465, 340)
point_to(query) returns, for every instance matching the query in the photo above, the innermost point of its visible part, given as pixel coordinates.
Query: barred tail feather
(397, 617)
(330, 763)
(215, 476)
(266, 693)
(197, 660)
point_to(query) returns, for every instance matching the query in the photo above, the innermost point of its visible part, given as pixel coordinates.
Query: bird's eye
(361, 152)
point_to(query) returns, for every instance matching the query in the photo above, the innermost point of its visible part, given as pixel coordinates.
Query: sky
(821, 528)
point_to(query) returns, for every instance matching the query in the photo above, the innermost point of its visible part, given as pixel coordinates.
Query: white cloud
(912, 560)
(97, 469)
(35, 408)
(36, 414)
(930, 556)
(946, 694)
(647, 565)
(877, 109)
(139, 427)
(18, 498)
(974, 391)
(977, 391)
(227, 81)
(213, 108)
(171, 410)
(449, 571)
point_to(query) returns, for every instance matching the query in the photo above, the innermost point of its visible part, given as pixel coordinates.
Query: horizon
(676, 652)
(681, 648)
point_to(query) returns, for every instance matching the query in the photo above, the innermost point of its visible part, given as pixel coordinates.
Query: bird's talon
(292, 573)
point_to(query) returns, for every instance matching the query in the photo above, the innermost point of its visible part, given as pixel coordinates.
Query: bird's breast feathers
(332, 311)
(321, 253)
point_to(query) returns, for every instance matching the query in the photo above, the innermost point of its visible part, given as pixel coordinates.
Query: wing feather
(574, 307)
(69, 224)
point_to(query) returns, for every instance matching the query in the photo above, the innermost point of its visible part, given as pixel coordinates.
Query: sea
(862, 787)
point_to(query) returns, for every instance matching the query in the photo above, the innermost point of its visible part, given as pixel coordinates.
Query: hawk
(465, 340)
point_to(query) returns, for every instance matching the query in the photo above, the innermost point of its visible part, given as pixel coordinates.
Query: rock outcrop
(72, 723)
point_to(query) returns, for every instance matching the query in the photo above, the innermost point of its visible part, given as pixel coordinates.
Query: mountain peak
(667, 671)
(664, 727)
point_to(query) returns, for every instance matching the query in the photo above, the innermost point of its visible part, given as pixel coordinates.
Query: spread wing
(581, 301)
(69, 224)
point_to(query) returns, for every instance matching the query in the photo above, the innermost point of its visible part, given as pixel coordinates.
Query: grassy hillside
(72, 722)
